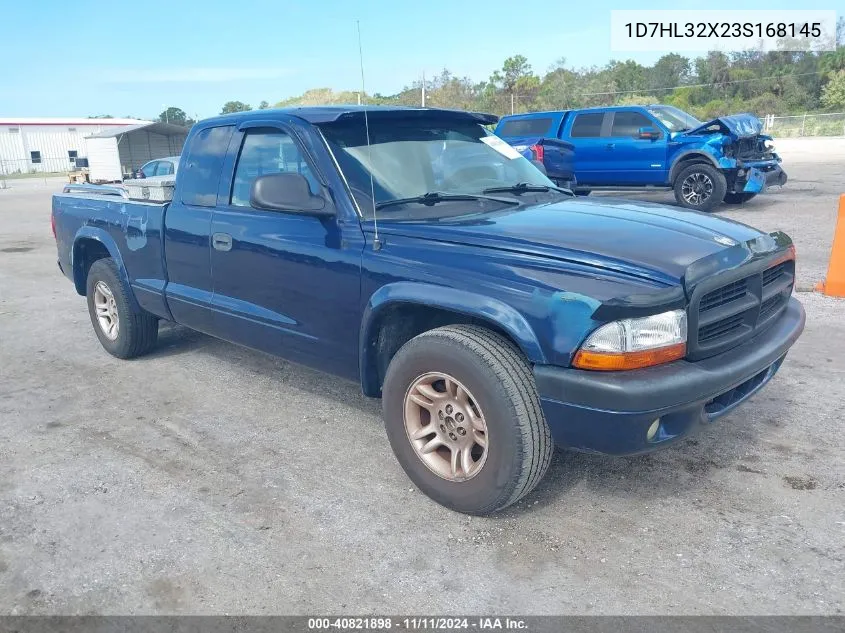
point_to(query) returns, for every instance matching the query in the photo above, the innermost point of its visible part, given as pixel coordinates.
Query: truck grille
(723, 295)
(725, 316)
(749, 148)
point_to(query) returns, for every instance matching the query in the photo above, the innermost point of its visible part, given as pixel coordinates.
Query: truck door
(636, 159)
(591, 153)
(187, 235)
(284, 282)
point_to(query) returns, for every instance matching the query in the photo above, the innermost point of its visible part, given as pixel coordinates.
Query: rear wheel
(700, 186)
(464, 420)
(738, 198)
(122, 331)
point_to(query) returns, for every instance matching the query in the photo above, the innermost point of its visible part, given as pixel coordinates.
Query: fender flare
(676, 163)
(470, 304)
(101, 236)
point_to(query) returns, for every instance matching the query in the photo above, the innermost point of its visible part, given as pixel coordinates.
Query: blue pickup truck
(494, 313)
(629, 147)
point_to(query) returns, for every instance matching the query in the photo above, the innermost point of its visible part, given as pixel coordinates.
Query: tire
(136, 331)
(712, 182)
(498, 385)
(582, 192)
(738, 198)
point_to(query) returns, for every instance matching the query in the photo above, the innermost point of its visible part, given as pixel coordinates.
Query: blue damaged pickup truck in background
(724, 160)
(416, 253)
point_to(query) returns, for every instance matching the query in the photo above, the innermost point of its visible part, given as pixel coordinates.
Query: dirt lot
(206, 478)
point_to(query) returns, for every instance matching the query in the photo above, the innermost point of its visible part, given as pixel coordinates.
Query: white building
(48, 145)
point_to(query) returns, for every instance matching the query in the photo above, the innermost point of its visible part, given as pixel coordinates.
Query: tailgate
(558, 156)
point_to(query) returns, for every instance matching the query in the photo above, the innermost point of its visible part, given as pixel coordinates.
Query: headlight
(635, 343)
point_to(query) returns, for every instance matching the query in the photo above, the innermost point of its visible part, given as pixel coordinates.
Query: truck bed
(93, 218)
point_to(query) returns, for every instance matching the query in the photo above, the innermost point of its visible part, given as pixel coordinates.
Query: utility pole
(423, 89)
(511, 103)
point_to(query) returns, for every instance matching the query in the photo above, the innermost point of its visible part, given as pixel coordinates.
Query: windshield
(415, 156)
(674, 119)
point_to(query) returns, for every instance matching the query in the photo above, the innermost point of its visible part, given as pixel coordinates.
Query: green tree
(235, 106)
(668, 72)
(833, 60)
(833, 94)
(263, 105)
(629, 76)
(175, 116)
(514, 69)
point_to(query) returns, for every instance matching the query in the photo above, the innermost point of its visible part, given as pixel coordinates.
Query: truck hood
(650, 241)
(737, 125)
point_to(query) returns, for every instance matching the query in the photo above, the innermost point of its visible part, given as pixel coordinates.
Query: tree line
(775, 82)
(778, 82)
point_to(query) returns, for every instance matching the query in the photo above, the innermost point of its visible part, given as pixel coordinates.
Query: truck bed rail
(103, 190)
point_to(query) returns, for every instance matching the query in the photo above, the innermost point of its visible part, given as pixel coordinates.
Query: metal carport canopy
(143, 142)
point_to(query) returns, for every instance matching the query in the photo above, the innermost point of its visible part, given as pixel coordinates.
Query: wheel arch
(690, 157)
(89, 245)
(400, 311)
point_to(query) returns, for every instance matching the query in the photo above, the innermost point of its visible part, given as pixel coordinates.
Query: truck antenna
(376, 241)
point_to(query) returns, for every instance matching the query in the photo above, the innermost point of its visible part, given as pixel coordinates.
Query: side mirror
(287, 192)
(648, 133)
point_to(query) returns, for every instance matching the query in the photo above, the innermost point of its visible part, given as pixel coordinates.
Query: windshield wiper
(433, 197)
(526, 187)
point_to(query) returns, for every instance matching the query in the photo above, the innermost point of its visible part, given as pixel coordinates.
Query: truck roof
(555, 113)
(330, 113)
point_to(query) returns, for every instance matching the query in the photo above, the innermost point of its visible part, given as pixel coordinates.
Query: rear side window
(587, 125)
(525, 127)
(628, 123)
(201, 174)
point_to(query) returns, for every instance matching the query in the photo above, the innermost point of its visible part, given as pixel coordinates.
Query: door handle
(610, 146)
(221, 241)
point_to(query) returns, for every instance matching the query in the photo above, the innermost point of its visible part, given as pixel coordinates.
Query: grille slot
(724, 295)
(720, 328)
(769, 307)
(773, 274)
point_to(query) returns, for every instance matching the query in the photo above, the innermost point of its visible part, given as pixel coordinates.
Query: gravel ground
(207, 478)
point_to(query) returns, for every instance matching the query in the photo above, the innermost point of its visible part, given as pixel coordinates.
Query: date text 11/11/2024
(417, 624)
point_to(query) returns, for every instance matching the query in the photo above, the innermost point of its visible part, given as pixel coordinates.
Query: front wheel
(463, 417)
(700, 186)
(738, 198)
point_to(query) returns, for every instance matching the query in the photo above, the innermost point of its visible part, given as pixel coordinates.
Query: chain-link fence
(828, 124)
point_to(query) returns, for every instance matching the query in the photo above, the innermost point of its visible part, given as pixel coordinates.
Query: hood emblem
(725, 241)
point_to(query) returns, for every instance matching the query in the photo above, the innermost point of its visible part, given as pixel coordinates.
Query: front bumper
(759, 178)
(610, 412)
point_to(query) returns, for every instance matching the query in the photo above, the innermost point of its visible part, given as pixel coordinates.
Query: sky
(130, 59)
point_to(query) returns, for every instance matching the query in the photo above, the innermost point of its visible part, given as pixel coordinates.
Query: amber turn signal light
(618, 361)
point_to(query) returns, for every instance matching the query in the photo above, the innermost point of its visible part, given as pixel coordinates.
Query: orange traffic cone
(834, 284)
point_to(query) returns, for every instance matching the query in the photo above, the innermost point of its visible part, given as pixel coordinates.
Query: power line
(712, 83)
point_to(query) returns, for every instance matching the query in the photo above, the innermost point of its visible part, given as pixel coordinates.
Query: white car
(159, 167)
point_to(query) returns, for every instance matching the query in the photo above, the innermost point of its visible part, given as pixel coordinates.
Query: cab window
(268, 152)
(587, 125)
(627, 123)
(200, 174)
